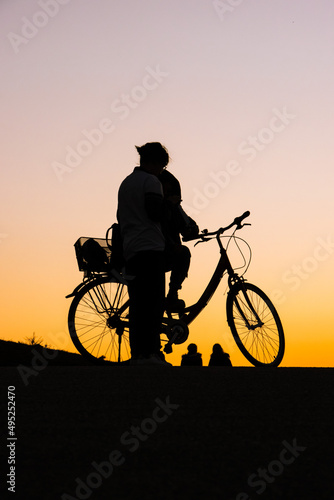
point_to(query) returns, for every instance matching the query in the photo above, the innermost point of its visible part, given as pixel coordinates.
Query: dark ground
(239, 433)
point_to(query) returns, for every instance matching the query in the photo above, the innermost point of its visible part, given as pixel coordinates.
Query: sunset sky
(241, 94)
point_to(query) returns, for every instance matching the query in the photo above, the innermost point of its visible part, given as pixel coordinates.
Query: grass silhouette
(16, 353)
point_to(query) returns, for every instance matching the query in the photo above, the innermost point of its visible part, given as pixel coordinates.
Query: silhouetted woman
(219, 357)
(192, 358)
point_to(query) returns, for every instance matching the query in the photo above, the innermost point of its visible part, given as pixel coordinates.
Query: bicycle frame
(234, 280)
(191, 312)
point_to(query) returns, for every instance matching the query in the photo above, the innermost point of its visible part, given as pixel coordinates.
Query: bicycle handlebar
(237, 222)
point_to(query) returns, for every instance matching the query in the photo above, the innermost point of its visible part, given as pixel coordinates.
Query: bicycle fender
(118, 278)
(75, 291)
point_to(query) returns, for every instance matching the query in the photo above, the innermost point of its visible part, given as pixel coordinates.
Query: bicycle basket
(93, 254)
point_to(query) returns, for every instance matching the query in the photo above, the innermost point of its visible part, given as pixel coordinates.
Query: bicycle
(98, 318)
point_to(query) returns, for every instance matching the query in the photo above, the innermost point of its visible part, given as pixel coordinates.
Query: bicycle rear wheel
(255, 325)
(98, 321)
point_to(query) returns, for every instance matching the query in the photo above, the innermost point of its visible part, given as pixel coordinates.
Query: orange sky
(243, 101)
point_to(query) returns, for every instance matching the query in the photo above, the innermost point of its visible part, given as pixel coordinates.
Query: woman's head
(154, 157)
(217, 348)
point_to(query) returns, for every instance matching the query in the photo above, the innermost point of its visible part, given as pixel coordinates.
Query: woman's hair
(153, 151)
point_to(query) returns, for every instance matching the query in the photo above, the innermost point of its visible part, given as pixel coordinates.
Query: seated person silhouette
(175, 222)
(219, 357)
(192, 358)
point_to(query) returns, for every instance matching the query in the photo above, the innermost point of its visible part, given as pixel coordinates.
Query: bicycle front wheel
(98, 321)
(255, 325)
